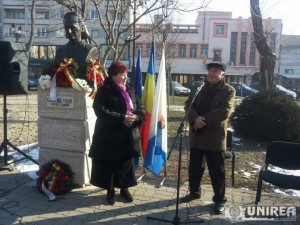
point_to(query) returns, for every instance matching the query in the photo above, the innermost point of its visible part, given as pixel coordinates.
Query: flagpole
(133, 42)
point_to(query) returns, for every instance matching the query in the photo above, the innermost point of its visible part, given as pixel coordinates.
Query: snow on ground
(30, 168)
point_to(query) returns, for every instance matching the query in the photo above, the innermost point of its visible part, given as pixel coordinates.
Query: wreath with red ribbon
(82, 77)
(56, 176)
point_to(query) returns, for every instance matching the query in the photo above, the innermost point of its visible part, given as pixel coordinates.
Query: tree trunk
(29, 44)
(267, 57)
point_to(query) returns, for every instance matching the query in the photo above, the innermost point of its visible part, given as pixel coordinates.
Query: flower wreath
(86, 78)
(55, 177)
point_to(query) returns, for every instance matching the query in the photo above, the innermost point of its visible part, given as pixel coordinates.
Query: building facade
(289, 61)
(15, 25)
(215, 36)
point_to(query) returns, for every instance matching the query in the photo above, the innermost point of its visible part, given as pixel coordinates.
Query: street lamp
(16, 32)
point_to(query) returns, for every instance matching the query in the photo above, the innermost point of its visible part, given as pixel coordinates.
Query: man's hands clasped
(199, 122)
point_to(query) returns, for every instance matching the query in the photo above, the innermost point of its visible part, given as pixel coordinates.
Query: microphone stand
(176, 219)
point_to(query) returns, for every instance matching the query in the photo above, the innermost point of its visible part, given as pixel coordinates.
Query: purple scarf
(126, 96)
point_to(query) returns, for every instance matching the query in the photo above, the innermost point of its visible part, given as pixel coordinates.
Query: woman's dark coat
(113, 140)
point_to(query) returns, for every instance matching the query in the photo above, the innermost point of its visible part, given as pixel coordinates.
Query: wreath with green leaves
(56, 176)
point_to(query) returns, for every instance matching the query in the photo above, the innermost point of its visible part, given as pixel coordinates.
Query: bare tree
(73, 6)
(29, 44)
(114, 17)
(267, 56)
(115, 24)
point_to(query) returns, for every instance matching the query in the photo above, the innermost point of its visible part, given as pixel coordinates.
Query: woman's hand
(130, 118)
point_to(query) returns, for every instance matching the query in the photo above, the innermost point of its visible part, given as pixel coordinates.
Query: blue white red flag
(156, 154)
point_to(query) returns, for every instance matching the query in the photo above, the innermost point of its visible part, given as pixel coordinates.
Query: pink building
(214, 36)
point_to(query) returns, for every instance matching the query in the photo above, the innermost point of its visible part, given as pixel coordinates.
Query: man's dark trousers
(216, 168)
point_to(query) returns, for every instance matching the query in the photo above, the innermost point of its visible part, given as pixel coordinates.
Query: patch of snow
(247, 174)
(26, 165)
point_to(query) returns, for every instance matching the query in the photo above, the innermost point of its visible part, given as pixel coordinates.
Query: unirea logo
(282, 213)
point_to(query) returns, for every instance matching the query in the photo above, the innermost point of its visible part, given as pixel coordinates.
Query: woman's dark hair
(115, 68)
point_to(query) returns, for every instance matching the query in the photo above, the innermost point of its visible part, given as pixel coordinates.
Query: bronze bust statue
(78, 47)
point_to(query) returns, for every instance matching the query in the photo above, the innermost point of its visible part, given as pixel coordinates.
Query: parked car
(179, 89)
(297, 90)
(242, 89)
(33, 82)
(193, 84)
(289, 93)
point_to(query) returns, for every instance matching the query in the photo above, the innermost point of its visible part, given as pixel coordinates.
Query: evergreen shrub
(267, 116)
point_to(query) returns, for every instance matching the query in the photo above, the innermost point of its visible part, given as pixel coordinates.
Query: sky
(287, 10)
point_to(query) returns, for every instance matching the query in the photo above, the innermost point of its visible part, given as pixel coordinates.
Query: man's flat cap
(216, 64)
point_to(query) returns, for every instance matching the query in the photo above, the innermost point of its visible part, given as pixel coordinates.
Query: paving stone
(88, 205)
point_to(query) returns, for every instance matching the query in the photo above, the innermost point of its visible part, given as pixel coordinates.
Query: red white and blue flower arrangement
(55, 178)
(87, 78)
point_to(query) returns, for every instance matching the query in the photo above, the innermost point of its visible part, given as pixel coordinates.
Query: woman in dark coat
(116, 139)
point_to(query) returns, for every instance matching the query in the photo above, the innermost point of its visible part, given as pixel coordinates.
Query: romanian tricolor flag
(147, 101)
(156, 154)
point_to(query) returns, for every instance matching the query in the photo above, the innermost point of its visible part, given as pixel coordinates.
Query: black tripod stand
(6, 142)
(176, 219)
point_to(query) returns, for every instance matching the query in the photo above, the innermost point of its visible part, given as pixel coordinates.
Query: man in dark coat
(208, 117)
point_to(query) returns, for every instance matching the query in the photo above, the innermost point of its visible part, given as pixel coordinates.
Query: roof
(290, 40)
(294, 76)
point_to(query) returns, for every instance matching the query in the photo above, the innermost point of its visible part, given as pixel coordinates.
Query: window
(122, 35)
(125, 55)
(42, 15)
(119, 16)
(18, 14)
(95, 33)
(233, 46)
(172, 50)
(34, 52)
(59, 13)
(220, 29)
(59, 32)
(193, 51)
(43, 52)
(148, 50)
(252, 50)
(204, 50)
(289, 71)
(42, 32)
(182, 51)
(218, 55)
(10, 31)
(273, 41)
(51, 52)
(243, 48)
(94, 14)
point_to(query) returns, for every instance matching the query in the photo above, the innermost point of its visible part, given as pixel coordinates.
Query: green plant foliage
(267, 116)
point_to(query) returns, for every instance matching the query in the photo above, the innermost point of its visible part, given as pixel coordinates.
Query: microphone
(195, 96)
(198, 90)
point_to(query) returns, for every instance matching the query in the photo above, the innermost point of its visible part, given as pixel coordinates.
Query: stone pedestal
(65, 130)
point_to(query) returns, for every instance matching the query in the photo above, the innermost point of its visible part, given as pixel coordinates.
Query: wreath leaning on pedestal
(55, 178)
